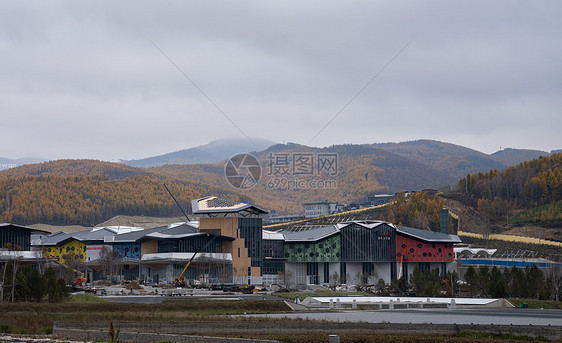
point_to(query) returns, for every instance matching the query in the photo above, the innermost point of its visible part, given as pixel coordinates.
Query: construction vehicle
(180, 281)
(79, 278)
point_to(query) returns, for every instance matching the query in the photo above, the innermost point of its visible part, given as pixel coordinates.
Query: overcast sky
(102, 80)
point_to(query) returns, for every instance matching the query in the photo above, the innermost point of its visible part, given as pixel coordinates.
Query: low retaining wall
(212, 328)
(146, 337)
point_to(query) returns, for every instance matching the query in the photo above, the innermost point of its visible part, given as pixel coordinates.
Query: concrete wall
(383, 271)
(352, 270)
(298, 271)
(101, 329)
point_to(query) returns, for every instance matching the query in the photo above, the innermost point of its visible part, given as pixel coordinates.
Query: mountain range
(453, 159)
(88, 192)
(212, 152)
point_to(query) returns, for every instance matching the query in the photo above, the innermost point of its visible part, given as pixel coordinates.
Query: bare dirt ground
(55, 228)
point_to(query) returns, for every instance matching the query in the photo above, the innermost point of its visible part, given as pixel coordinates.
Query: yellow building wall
(149, 247)
(73, 250)
(229, 227)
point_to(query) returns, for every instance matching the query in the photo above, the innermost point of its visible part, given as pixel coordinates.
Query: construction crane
(180, 281)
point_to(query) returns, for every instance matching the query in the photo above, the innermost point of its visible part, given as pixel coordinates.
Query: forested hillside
(419, 210)
(362, 171)
(530, 192)
(454, 160)
(512, 157)
(88, 192)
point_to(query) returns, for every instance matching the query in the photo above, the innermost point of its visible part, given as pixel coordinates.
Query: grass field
(38, 318)
(538, 304)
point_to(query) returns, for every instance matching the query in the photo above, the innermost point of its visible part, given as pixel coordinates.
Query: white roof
(474, 251)
(22, 255)
(119, 229)
(163, 235)
(272, 235)
(186, 256)
(194, 223)
(366, 300)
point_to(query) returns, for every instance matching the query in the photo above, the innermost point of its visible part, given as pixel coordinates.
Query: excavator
(180, 281)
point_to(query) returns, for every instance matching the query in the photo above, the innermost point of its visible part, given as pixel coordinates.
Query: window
(273, 267)
(251, 231)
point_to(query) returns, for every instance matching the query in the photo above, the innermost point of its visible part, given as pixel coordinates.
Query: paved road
(418, 316)
(153, 299)
(436, 316)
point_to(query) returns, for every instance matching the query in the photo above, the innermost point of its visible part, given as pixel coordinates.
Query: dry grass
(512, 238)
(313, 337)
(39, 317)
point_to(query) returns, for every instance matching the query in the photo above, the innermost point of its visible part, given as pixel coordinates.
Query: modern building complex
(321, 208)
(380, 199)
(228, 245)
(355, 252)
(16, 237)
(16, 243)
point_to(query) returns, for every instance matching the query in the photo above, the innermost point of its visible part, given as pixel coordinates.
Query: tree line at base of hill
(530, 283)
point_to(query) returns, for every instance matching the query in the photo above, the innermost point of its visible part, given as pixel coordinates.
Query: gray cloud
(83, 80)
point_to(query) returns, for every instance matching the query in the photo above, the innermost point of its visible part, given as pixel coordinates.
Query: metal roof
(24, 256)
(212, 204)
(57, 238)
(174, 231)
(311, 234)
(318, 233)
(133, 236)
(179, 229)
(369, 224)
(428, 236)
(118, 229)
(54, 238)
(272, 235)
(36, 231)
(94, 235)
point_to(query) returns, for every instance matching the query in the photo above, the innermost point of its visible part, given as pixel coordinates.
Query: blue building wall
(507, 263)
(129, 250)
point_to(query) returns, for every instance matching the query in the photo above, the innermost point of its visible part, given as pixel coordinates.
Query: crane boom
(180, 280)
(177, 203)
